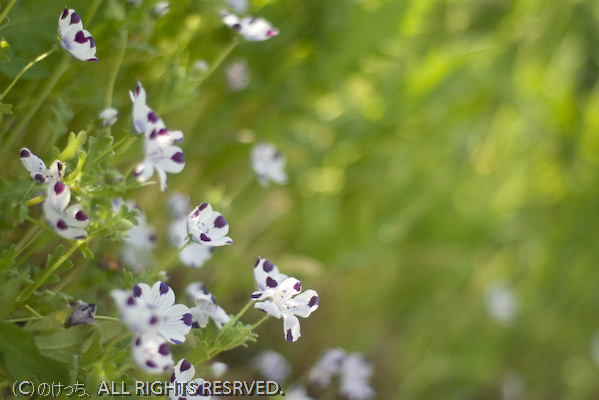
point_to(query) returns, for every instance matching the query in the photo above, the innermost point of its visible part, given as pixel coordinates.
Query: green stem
(239, 339)
(115, 71)
(172, 258)
(106, 318)
(6, 10)
(219, 59)
(29, 308)
(31, 64)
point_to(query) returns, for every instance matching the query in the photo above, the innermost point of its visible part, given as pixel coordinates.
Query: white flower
(186, 386)
(37, 168)
(501, 302)
(70, 223)
(285, 301)
(140, 239)
(161, 156)
(206, 307)
(328, 365)
(151, 353)
(152, 310)
(208, 227)
(194, 254)
(240, 6)
(74, 38)
(268, 163)
(252, 29)
(108, 117)
(272, 365)
(144, 119)
(267, 275)
(218, 369)
(297, 392)
(237, 75)
(161, 9)
(355, 374)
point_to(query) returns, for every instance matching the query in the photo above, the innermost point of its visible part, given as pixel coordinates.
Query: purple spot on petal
(255, 296)
(202, 206)
(164, 288)
(185, 365)
(298, 287)
(81, 237)
(195, 325)
(59, 166)
(59, 187)
(196, 213)
(153, 320)
(136, 291)
(187, 319)
(80, 216)
(178, 158)
(138, 89)
(173, 377)
(213, 298)
(257, 262)
(163, 132)
(151, 364)
(271, 282)
(130, 301)
(75, 18)
(92, 44)
(236, 27)
(62, 225)
(271, 33)
(64, 13)
(153, 134)
(153, 117)
(313, 301)
(205, 238)
(268, 266)
(289, 336)
(138, 341)
(25, 153)
(80, 37)
(176, 341)
(220, 222)
(40, 178)
(164, 350)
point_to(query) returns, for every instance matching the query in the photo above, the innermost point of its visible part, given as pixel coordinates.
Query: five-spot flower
(74, 38)
(108, 117)
(185, 386)
(37, 168)
(208, 227)
(252, 29)
(161, 156)
(144, 119)
(70, 223)
(206, 307)
(269, 164)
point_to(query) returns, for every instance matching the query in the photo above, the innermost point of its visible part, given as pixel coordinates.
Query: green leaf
(9, 289)
(5, 108)
(73, 145)
(87, 253)
(63, 344)
(95, 349)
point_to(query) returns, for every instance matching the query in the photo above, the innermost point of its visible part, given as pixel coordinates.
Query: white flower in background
(272, 365)
(501, 302)
(252, 29)
(151, 353)
(297, 392)
(267, 275)
(108, 117)
(37, 168)
(206, 307)
(285, 301)
(161, 156)
(152, 310)
(208, 227)
(512, 387)
(161, 9)
(355, 374)
(218, 369)
(239, 6)
(186, 387)
(269, 164)
(140, 239)
(200, 66)
(237, 74)
(144, 119)
(74, 38)
(327, 366)
(194, 255)
(70, 223)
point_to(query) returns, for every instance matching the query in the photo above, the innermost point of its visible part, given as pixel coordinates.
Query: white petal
(177, 323)
(152, 354)
(268, 307)
(287, 289)
(32, 162)
(291, 327)
(68, 18)
(184, 371)
(303, 304)
(195, 255)
(76, 217)
(144, 171)
(58, 196)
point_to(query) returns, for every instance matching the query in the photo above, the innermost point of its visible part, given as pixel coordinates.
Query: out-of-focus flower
(186, 387)
(151, 353)
(161, 9)
(194, 254)
(83, 313)
(206, 307)
(252, 29)
(297, 392)
(272, 365)
(355, 374)
(208, 227)
(501, 302)
(37, 168)
(108, 117)
(70, 223)
(140, 239)
(269, 164)
(218, 369)
(512, 387)
(285, 301)
(328, 365)
(161, 156)
(144, 119)
(239, 6)
(74, 38)
(237, 74)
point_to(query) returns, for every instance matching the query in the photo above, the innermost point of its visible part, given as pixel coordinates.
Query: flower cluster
(252, 29)
(74, 38)
(70, 223)
(37, 168)
(206, 307)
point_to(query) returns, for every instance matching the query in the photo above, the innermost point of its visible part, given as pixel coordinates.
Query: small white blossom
(194, 255)
(240, 6)
(70, 223)
(74, 38)
(186, 386)
(284, 300)
(151, 353)
(144, 119)
(269, 164)
(108, 117)
(297, 392)
(272, 365)
(355, 375)
(252, 29)
(327, 366)
(140, 239)
(37, 168)
(218, 369)
(161, 9)
(206, 307)
(237, 74)
(501, 302)
(208, 227)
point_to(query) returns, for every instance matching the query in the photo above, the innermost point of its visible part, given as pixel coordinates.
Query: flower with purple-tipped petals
(267, 275)
(70, 223)
(161, 156)
(152, 354)
(144, 119)
(185, 386)
(206, 307)
(208, 227)
(140, 239)
(284, 300)
(327, 366)
(108, 117)
(269, 164)
(74, 38)
(37, 168)
(355, 374)
(252, 29)
(272, 365)
(194, 254)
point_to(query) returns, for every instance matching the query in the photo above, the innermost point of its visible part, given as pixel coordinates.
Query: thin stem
(107, 318)
(35, 200)
(219, 59)
(29, 308)
(6, 10)
(170, 260)
(115, 71)
(240, 339)
(31, 64)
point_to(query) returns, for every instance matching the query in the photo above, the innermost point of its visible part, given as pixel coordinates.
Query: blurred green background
(433, 148)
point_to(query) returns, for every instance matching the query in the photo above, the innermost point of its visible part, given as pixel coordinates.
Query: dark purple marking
(268, 266)
(204, 290)
(153, 134)
(178, 158)
(64, 13)
(271, 33)
(236, 27)
(220, 222)
(185, 365)
(202, 206)
(40, 178)
(257, 262)
(75, 18)
(62, 225)
(164, 288)
(136, 291)
(298, 287)
(255, 296)
(164, 350)
(130, 301)
(153, 320)
(59, 166)
(196, 213)
(163, 132)
(81, 237)
(92, 44)
(313, 302)
(205, 238)
(24, 153)
(138, 89)
(153, 117)
(151, 364)
(195, 325)
(138, 341)
(176, 341)
(187, 319)
(137, 173)
(173, 377)
(59, 187)
(213, 298)
(229, 242)
(289, 336)
(80, 38)
(271, 282)
(80, 216)
(152, 238)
